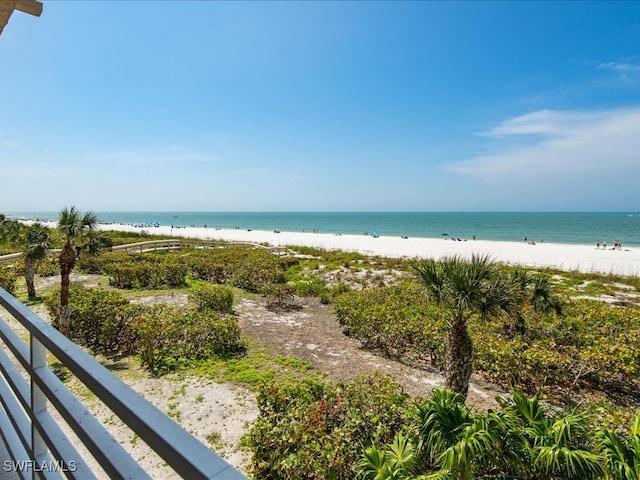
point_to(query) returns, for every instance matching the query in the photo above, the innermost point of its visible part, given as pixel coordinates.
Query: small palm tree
(621, 454)
(542, 298)
(38, 244)
(440, 421)
(74, 227)
(396, 462)
(546, 448)
(464, 288)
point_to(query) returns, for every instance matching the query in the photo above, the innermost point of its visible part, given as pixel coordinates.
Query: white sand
(560, 256)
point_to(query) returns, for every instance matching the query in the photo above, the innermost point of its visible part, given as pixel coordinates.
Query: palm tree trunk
(67, 260)
(458, 358)
(29, 275)
(64, 322)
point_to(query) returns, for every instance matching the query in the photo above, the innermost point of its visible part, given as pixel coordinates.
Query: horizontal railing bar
(111, 456)
(62, 448)
(17, 427)
(14, 378)
(57, 441)
(16, 450)
(14, 343)
(15, 414)
(183, 452)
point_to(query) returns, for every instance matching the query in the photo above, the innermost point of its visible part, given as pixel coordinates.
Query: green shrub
(243, 267)
(279, 296)
(8, 277)
(146, 271)
(213, 297)
(170, 338)
(314, 430)
(101, 320)
(398, 321)
(48, 267)
(207, 268)
(311, 287)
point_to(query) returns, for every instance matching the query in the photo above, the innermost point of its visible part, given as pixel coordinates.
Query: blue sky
(306, 106)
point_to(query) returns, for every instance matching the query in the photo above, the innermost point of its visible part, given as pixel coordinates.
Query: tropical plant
(545, 447)
(10, 231)
(463, 288)
(75, 227)
(621, 453)
(310, 430)
(38, 244)
(519, 441)
(542, 298)
(398, 461)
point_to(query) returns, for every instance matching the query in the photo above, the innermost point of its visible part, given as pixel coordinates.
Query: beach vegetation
(166, 338)
(247, 268)
(48, 267)
(279, 296)
(37, 245)
(444, 439)
(148, 271)
(8, 278)
(171, 338)
(10, 235)
(592, 346)
(212, 297)
(397, 321)
(464, 288)
(103, 321)
(76, 228)
(314, 429)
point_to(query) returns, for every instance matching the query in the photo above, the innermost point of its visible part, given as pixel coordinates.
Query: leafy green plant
(314, 430)
(101, 320)
(279, 296)
(212, 297)
(170, 338)
(8, 278)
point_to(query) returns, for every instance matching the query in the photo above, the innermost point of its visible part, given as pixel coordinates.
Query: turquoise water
(557, 227)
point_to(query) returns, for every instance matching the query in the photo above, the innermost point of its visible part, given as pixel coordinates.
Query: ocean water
(580, 228)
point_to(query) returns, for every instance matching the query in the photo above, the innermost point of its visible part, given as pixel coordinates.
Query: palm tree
(38, 243)
(464, 288)
(74, 227)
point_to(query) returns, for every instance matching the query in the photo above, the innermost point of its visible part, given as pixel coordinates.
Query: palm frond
(373, 464)
(567, 463)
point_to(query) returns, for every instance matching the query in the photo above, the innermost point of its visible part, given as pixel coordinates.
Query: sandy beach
(582, 258)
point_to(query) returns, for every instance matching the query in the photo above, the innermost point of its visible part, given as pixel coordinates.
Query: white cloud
(628, 72)
(559, 143)
(620, 67)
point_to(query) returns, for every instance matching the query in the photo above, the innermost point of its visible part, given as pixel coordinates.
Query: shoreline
(580, 258)
(570, 228)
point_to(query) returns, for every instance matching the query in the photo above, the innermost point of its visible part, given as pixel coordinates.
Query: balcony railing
(35, 438)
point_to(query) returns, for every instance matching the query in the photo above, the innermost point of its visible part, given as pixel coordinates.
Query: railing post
(38, 404)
